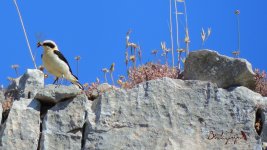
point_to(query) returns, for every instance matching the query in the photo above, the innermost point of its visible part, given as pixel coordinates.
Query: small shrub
(90, 90)
(261, 82)
(149, 71)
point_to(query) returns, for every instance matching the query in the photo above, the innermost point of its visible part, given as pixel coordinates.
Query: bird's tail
(77, 83)
(74, 80)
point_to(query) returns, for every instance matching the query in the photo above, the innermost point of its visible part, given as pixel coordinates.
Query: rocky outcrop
(160, 114)
(27, 85)
(175, 114)
(225, 71)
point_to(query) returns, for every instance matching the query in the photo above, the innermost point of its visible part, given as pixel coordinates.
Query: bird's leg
(62, 79)
(56, 81)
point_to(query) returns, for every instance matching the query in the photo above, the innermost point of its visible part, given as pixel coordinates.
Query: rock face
(175, 114)
(22, 128)
(28, 84)
(2, 97)
(63, 124)
(160, 114)
(52, 94)
(1, 111)
(208, 65)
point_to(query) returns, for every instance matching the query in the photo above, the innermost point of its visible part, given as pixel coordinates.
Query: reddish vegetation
(261, 82)
(89, 89)
(149, 71)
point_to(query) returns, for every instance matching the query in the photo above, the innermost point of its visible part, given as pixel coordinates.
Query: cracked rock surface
(22, 128)
(174, 114)
(62, 126)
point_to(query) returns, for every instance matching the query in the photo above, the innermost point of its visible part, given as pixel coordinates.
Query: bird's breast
(54, 65)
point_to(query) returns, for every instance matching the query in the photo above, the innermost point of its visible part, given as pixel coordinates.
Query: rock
(99, 90)
(21, 129)
(60, 141)
(1, 111)
(63, 124)
(53, 94)
(226, 72)
(27, 85)
(175, 114)
(2, 96)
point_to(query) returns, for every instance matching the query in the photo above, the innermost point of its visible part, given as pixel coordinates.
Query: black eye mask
(51, 45)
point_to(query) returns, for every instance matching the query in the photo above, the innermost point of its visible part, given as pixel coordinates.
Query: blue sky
(95, 30)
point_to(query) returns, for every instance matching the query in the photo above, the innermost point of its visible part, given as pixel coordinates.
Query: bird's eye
(51, 45)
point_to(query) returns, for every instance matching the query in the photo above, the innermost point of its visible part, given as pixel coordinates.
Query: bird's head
(48, 45)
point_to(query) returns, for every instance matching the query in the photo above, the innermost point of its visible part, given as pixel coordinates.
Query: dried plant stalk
(25, 33)
(171, 33)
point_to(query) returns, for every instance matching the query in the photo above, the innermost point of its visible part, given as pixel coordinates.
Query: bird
(56, 64)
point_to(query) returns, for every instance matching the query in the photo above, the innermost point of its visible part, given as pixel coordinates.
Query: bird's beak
(39, 44)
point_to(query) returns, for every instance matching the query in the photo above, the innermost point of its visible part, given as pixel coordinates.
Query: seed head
(237, 12)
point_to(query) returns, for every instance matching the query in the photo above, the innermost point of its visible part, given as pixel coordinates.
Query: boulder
(53, 94)
(176, 114)
(27, 85)
(62, 126)
(207, 65)
(22, 128)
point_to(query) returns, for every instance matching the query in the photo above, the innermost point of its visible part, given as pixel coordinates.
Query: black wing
(61, 57)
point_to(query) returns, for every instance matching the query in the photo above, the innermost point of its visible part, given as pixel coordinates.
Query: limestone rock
(27, 85)
(53, 94)
(21, 129)
(1, 111)
(60, 141)
(63, 124)
(2, 96)
(208, 65)
(174, 114)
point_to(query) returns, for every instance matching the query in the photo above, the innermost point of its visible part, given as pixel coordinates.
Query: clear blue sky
(96, 30)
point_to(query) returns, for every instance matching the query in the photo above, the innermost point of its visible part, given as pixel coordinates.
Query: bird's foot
(57, 85)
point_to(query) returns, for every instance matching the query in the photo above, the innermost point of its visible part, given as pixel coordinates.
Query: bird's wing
(61, 57)
(42, 56)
